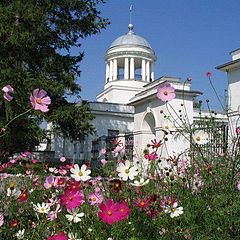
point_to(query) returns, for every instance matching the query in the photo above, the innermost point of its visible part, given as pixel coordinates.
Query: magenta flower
(72, 199)
(208, 74)
(124, 210)
(109, 212)
(151, 156)
(7, 90)
(166, 92)
(59, 236)
(95, 198)
(40, 100)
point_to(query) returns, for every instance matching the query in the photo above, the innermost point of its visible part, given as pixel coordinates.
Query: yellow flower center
(122, 210)
(165, 93)
(80, 174)
(117, 185)
(94, 199)
(39, 101)
(198, 138)
(109, 213)
(126, 170)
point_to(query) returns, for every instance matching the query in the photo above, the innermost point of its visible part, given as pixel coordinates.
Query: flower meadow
(189, 195)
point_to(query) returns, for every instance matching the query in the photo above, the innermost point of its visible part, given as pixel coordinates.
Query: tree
(36, 39)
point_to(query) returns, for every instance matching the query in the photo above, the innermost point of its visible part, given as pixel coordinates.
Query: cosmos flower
(53, 214)
(174, 210)
(40, 100)
(95, 198)
(73, 236)
(23, 196)
(74, 215)
(62, 159)
(72, 199)
(59, 236)
(115, 185)
(42, 208)
(109, 212)
(7, 90)
(13, 223)
(20, 234)
(124, 210)
(151, 156)
(166, 92)
(142, 203)
(13, 192)
(49, 182)
(125, 171)
(208, 74)
(80, 174)
(140, 183)
(1, 219)
(200, 137)
(73, 185)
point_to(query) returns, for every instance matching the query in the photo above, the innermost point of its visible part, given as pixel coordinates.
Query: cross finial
(130, 26)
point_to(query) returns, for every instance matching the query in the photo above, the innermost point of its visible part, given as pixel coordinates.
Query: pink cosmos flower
(49, 182)
(238, 185)
(53, 214)
(95, 198)
(72, 199)
(166, 92)
(62, 171)
(109, 212)
(1, 219)
(7, 90)
(124, 210)
(40, 100)
(62, 159)
(103, 161)
(59, 236)
(151, 156)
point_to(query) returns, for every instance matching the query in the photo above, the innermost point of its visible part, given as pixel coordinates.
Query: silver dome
(130, 39)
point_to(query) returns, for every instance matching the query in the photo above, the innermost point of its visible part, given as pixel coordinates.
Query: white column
(126, 68)
(132, 75)
(148, 71)
(107, 72)
(111, 71)
(115, 69)
(143, 70)
(152, 71)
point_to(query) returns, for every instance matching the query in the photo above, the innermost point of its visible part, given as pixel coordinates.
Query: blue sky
(189, 38)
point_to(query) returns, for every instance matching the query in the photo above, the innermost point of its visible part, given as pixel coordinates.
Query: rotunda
(129, 66)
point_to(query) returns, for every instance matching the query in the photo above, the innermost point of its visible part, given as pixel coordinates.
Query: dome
(130, 39)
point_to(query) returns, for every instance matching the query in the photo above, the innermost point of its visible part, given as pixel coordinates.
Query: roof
(229, 65)
(131, 39)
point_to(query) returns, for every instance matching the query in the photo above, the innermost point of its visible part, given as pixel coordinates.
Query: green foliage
(36, 42)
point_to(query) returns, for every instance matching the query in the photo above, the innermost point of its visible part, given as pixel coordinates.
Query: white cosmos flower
(140, 183)
(73, 236)
(13, 193)
(20, 234)
(42, 208)
(200, 137)
(80, 174)
(125, 171)
(74, 216)
(174, 210)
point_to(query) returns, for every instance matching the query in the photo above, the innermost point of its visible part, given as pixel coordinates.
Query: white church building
(128, 107)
